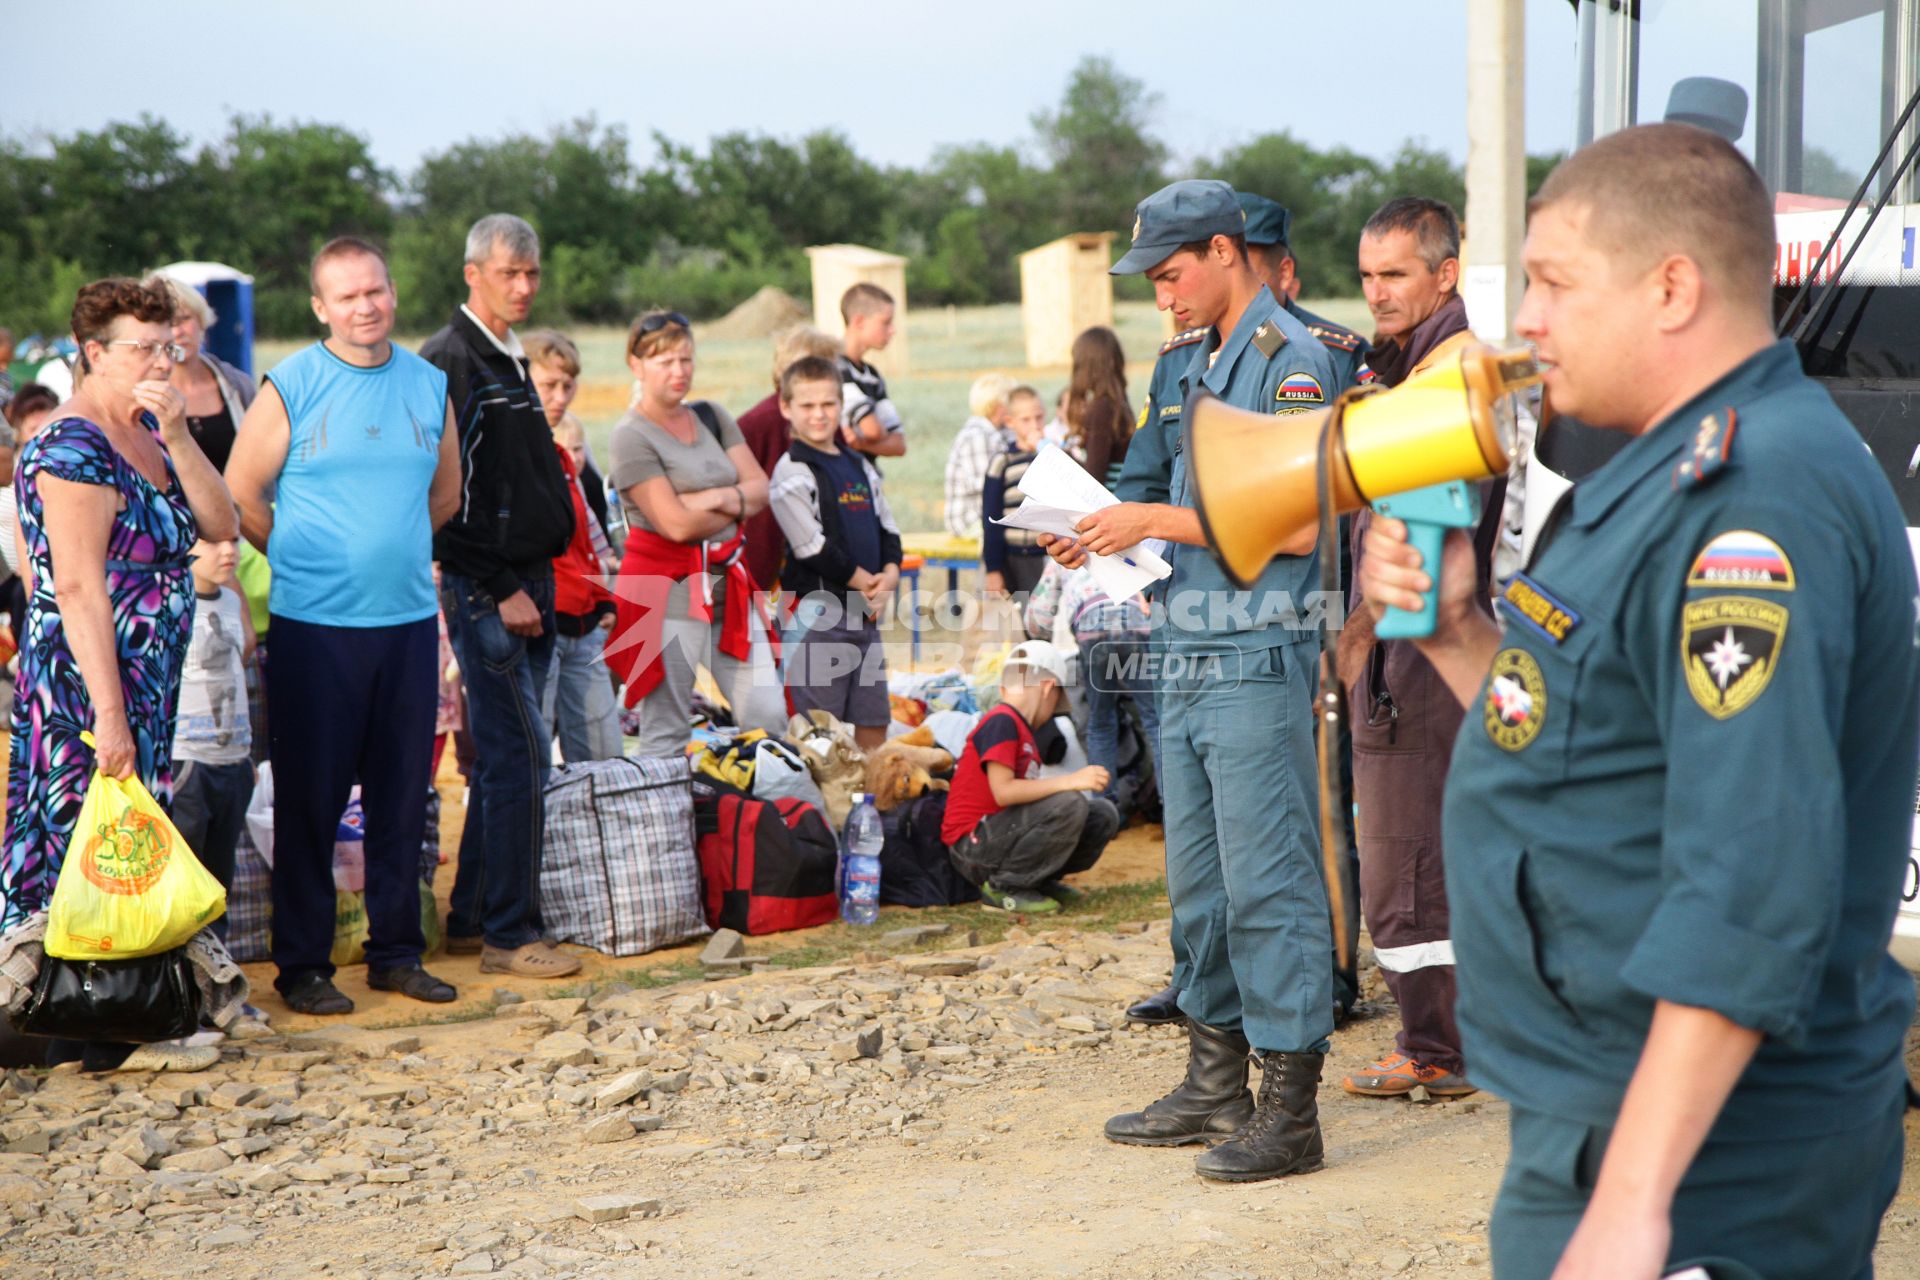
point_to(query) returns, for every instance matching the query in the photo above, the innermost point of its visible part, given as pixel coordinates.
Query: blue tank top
(352, 541)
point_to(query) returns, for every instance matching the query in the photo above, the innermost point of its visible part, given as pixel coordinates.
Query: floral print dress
(151, 590)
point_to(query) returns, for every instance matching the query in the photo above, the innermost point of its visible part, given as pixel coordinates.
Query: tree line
(698, 229)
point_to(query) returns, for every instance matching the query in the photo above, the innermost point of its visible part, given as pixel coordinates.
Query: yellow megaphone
(1255, 480)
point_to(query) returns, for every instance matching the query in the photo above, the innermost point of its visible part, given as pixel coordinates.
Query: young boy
(983, 437)
(843, 558)
(212, 739)
(1013, 558)
(870, 422)
(1011, 833)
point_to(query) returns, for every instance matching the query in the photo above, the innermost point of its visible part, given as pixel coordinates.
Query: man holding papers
(1236, 746)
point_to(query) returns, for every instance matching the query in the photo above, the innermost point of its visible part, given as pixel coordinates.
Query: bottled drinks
(860, 863)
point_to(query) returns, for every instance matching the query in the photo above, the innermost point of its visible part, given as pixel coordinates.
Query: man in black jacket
(496, 588)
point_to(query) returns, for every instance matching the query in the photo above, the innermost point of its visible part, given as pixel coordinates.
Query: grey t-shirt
(643, 449)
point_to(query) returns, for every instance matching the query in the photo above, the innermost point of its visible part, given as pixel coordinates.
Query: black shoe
(316, 996)
(1210, 1104)
(1284, 1134)
(1157, 1010)
(413, 982)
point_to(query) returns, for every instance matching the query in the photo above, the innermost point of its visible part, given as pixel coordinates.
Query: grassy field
(950, 349)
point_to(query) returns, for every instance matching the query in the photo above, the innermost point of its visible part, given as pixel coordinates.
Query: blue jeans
(580, 706)
(496, 888)
(1110, 668)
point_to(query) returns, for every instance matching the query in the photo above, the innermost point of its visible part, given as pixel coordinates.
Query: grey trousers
(1027, 845)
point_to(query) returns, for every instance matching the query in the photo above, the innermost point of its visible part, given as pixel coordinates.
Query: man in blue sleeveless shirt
(342, 469)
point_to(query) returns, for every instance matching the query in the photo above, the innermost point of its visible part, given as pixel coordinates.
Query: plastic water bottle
(860, 863)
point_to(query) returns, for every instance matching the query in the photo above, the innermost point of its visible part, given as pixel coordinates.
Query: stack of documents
(1059, 495)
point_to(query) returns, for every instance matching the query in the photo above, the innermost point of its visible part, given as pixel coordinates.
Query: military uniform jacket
(1157, 431)
(1688, 774)
(1345, 348)
(1269, 364)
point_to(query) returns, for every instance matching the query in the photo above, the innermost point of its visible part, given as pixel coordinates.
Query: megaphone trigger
(1428, 514)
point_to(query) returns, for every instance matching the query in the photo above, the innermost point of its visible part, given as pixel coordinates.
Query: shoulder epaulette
(1332, 335)
(1186, 339)
(1707, 456)
(1268, 339)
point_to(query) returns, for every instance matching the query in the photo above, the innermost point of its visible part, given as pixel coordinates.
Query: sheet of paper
(1059, 495)
(1041, 518)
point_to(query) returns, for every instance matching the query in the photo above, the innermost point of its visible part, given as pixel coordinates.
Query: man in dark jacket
(496, 588)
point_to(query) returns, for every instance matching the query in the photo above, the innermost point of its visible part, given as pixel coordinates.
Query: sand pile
(764, 314)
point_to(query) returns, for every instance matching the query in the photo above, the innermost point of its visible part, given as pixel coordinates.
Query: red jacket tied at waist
(647, 574)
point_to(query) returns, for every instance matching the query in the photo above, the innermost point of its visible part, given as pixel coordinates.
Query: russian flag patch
(1742, 558)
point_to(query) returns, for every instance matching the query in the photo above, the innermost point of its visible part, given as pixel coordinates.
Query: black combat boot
(1211, 1103)
(1158, 1009)
(1284, 1134)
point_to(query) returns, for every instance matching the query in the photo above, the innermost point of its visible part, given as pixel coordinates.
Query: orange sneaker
(1397, 1074)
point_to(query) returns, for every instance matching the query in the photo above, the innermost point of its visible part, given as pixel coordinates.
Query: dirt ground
(1013, 1179)
(1001, 1171)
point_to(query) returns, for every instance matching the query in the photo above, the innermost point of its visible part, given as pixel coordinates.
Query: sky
(900, 80)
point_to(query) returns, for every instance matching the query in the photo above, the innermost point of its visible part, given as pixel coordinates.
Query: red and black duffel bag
(765, 865)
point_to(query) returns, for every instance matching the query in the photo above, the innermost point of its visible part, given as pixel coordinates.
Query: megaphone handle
(1404, 624)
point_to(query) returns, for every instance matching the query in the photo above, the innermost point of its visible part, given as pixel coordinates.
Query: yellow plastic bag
(129, 887)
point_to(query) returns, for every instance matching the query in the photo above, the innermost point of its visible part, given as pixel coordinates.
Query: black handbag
(138, 1001)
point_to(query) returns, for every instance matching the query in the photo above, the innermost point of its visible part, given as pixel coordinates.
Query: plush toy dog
(902, 769)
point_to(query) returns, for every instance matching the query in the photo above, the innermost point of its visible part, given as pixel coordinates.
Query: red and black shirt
(1003, 736)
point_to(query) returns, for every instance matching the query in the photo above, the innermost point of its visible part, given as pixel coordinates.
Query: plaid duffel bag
(618, 871)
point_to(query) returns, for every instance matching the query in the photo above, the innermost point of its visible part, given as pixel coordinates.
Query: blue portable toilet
(230, 293)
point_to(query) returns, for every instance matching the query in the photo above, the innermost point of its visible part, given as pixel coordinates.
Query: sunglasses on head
(655, 323)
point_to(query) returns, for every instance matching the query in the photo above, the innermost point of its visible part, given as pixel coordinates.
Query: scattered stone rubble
(349, 1122)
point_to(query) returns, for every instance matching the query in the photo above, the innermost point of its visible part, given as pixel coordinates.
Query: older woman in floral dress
(112, 491)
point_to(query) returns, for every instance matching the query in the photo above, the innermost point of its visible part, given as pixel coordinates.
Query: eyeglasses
(148, 348)
(655, 323)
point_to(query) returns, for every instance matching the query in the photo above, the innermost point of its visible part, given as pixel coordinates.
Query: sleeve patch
(1300, 388)
(1742, 558)
(1146, 408)
(1729, 646)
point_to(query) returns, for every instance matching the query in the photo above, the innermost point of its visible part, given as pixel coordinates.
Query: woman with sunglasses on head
(112, 494)
(686, 479)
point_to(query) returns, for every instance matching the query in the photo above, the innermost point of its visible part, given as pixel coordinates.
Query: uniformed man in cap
(1677, 819)
(1149, 465)
(1267, 224)
(1236, 752)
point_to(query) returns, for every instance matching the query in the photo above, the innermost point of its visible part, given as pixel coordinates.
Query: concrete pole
(1492, 279)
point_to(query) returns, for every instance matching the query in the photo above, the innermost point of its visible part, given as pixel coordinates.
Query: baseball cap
(1179, 213)
(1039, 655)
(1267, 220)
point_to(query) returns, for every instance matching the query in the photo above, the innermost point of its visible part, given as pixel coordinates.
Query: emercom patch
(1730, 646)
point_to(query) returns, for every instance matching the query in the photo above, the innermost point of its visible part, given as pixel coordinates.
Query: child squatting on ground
(1013, 834)
(843, 559)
